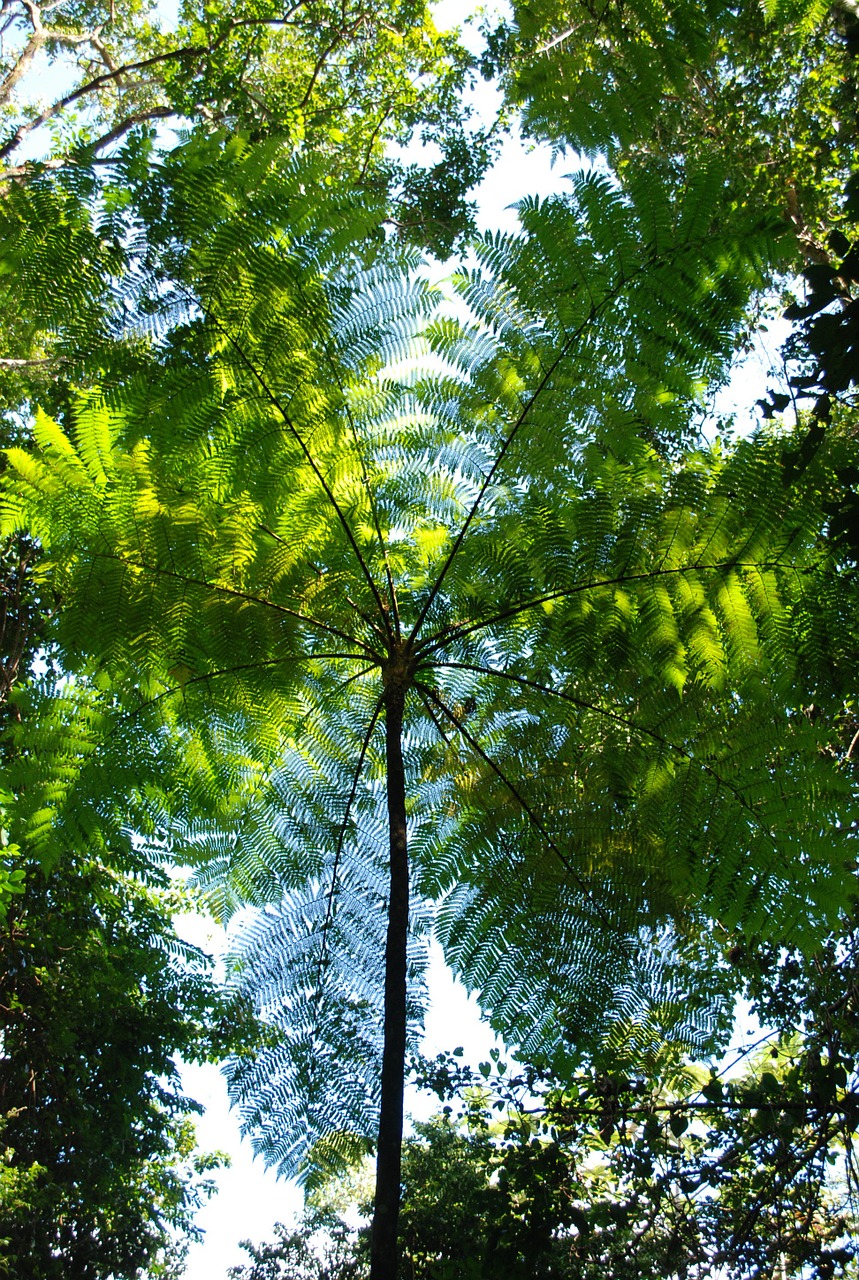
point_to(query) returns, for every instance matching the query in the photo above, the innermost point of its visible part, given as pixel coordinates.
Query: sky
(251, 1198)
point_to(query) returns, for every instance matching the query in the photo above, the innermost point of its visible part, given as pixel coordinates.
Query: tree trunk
(383, 1251)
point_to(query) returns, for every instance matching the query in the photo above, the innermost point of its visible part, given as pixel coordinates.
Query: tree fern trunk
(383, 1264)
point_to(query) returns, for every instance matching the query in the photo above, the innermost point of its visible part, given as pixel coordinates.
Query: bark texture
(383, 1255)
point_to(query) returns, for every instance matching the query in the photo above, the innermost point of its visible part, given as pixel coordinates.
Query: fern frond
(587, 623)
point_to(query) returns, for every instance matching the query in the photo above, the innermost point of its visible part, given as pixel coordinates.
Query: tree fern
(318, 600)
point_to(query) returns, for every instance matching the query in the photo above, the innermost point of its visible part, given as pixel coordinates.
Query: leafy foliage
(342, 80)
(322, 1248)
(101, 1176)
(676, 1170)
(768, 96)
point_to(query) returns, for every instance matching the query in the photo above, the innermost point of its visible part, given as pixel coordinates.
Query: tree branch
(36, 363)
(115, 76)
(371, 498)
(622, 720)
(517, 796)
(93, 86)
(511, 436)
(234, 593)
(21, 67)
(341, 836)
(113, 135)
(457, 632)
(274, 400)
(231, 671)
